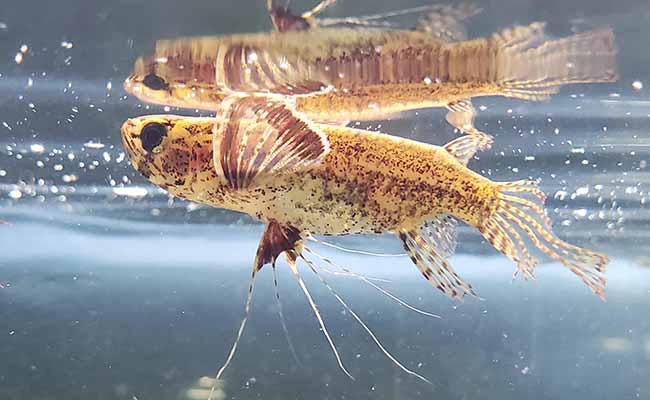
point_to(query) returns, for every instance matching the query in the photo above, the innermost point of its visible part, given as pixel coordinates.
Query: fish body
(261, 156)
(368, 182)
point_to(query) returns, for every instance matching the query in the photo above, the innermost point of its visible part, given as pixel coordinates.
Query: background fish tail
(522, 62)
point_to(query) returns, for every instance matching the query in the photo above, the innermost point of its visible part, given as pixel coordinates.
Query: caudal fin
(523, 62)
(519, 209)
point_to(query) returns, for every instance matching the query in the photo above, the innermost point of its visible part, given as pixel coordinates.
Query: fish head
(169, 150)
(173, 77)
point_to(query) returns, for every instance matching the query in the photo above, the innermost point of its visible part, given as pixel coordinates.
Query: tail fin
(518, 208)
(526, 64)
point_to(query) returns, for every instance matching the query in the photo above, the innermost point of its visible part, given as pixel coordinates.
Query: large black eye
(152, 135)
(154, 82)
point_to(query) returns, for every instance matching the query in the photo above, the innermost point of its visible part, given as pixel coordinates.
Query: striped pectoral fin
(260, 135)
(246, 68)
(461, 116)
(433, 266)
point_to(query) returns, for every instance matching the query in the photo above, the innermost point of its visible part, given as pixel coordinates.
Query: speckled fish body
(368, 182)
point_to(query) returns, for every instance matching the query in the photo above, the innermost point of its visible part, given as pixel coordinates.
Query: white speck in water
(579, 150)
(637, 85)
(40, 164)
(66, 44)
(58, 167)
(130, 191)
(120, 157)
(15, 194)
(18, 58)
(580, 213)
(167, 108)
(582, 191)
(427, 81)
(525, 370)
(560, 195)
(37, 148)
(107, 156)
(109, 85)
(6, 125)
(30, 82)
(93, 145)
(3, 172)
(69, 178)
(3, 26)
(529, 158)
(24, 48)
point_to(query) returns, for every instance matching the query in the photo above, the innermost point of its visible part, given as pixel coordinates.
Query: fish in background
(335, 74)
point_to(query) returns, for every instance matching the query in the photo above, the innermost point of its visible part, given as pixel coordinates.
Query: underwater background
(110, 289)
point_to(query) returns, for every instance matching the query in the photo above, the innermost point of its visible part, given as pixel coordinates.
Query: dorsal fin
(256, 135)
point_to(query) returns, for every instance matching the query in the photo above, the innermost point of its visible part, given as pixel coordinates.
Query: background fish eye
(155, 82)
(152, 135)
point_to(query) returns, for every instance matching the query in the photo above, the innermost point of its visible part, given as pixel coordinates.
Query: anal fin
(435, 269)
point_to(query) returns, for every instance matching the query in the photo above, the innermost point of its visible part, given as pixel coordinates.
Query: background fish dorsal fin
(441, 233)
(255, 135)
(446, 22)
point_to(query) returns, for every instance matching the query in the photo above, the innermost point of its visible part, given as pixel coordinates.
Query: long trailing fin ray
(372, 284)
(291, 260)
(334, 293)
(260, 135)
(435, 269)
(283, 322)
(354, 251)
(240, 332)
(513, 212)
(275, 240)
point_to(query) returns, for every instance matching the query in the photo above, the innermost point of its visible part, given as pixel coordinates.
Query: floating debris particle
(136, 192)
(37, 148)
(66, 44)
(94, 145)
(637, 85)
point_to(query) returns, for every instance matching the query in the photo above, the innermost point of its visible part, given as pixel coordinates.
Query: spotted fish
(260, 156)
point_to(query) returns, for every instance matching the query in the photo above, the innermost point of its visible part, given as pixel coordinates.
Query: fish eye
(154, 82)
(152, 135)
